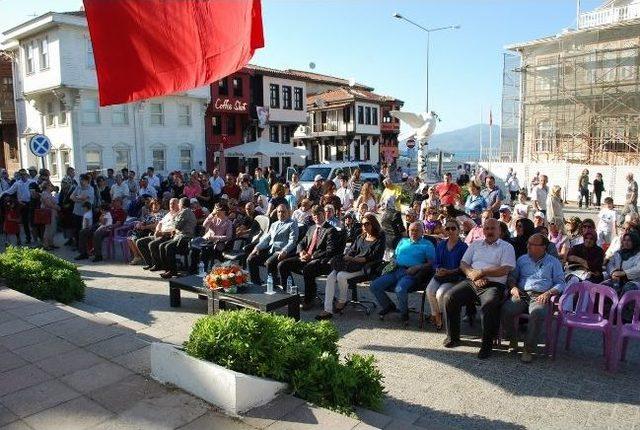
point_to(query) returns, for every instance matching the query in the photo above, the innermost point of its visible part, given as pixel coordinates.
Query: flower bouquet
(226, 277)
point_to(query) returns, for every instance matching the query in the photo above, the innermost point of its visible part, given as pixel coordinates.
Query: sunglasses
(450, 228)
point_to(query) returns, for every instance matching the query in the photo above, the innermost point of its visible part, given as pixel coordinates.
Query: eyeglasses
(450, 228)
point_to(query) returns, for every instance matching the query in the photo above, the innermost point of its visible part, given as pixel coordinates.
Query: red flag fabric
(150, 48)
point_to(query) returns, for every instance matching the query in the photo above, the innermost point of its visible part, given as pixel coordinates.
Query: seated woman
(367, 248)
(449, 253)
(585, 260)
(218, 231)
(144, 227)
(624, 266)
(524, 230)
(559, 240)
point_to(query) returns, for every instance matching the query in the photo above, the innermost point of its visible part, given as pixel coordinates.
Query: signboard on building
(226, 104)
(40, 145)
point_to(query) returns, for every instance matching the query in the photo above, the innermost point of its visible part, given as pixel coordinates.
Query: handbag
(451, 278)
(42, 216)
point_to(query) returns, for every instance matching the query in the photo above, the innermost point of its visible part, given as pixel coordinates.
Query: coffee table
(248, 296)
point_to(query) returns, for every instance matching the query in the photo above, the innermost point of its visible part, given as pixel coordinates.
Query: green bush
(40, 274)
(302, 354)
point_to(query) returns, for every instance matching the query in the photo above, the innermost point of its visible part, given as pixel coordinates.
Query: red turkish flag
(150, 48)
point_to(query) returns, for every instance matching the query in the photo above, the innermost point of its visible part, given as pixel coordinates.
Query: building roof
(327, 79)
(273, 72)
(342, 96)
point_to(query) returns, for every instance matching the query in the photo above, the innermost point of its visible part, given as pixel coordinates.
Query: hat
(505, 208)
(193, 200)
(539, 215)
(318, 178)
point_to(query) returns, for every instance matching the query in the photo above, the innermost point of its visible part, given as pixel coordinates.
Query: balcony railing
(608, 16)
(319, 128)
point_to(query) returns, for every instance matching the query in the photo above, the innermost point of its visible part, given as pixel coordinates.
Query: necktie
(314, 239)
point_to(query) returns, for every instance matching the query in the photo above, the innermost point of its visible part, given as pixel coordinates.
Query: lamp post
(428, 31)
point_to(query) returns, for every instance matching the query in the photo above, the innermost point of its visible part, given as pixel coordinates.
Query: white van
(368, 172)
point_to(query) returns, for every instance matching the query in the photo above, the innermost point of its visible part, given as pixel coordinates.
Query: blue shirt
(475, 203)
(446, 259)
(261, 186)
(410, 253)
(539, 276)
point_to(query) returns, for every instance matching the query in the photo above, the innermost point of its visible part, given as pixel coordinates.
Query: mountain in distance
(463, 140)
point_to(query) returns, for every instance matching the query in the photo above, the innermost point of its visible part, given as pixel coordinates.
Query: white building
(56, 94)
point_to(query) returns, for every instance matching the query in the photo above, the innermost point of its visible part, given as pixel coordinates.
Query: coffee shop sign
(226, 104)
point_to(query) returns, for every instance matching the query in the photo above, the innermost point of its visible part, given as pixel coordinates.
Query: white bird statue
(423, 125)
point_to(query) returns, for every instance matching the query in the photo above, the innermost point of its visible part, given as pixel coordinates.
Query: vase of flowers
(227, 277)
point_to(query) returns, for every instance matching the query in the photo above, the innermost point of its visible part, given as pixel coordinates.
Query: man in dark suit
(317, 247)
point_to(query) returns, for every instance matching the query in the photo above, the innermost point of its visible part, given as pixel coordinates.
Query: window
(53, 162)
(223, 87)
(184, 115)
(90, 111)
(49, 115)
(545, 137)
(237, 87)
(286, 97)
(119, 115)
(157, 113)
(93, 158)
(216, 125)
(367, 115)
(374, 116)
(158, 159)
(44, 53)
(90, 60)
(185, 159)
(29, 54)
(231, 125)
(286, 134)
(65, 159)
(62, 118)
(121, 158)
(360, 115)
(273, 133)
(297, 98)
(346, 114)
(274, 96)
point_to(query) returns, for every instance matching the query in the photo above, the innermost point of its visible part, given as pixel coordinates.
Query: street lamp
(428, 31)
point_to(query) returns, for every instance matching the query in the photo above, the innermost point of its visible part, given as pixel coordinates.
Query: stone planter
(231, 391)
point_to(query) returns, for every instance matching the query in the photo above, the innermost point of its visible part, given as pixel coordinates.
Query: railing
(318, 128)
(609, 16)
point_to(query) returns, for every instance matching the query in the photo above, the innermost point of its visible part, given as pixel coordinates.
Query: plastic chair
(589, 317)
(119, 236)
(626, 331)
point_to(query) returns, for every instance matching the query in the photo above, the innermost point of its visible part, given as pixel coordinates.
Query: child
(606, 227)
(431, 223)
(522, 207)
(11, 225)
(86, 232)
(362, 209)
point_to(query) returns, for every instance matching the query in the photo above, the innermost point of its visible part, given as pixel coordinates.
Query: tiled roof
(346, 95)
(327, 79)
(272, 72)
(75, 13)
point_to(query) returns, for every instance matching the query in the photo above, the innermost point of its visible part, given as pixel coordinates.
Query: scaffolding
(580, 97)
(510, 121)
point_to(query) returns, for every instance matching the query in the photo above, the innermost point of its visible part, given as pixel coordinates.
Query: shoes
(154, 269)
(135, 261)
(306, 306)
(387, 310)
(526, 357)
(146, 267)
(339, 308)
(324, 316)
(405, 319)
(513, 346)
(97, 259)
(451, 343)
(168, 274)
(81, 257)
(485, 352)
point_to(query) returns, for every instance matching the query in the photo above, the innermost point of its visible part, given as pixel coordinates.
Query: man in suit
(275, 246)
(185, 227)
(316, 248)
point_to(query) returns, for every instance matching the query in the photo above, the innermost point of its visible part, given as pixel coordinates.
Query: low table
(249, 296)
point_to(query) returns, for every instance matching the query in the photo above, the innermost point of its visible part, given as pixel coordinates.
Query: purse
(42, 216)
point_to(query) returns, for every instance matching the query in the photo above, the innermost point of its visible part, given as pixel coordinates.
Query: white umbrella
(266, 148)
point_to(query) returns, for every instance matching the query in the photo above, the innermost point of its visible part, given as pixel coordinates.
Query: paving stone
(38, 398)
(166, 412)
(79, 413)
(11, 301)
(307, 416)
(266, 415)
(22, 377)
(40, 351)
(6, 316)
(14, 326)
(118, 345)
(9, 360)
(71, 325)
(121, 395)
(6, 416)
(31, 309)
(16, 425)
(95, 377)
(25, 338)
(48, 317)
(69, 362)
(92, 334)
(212, 420)
(138, 361)
(372, 418)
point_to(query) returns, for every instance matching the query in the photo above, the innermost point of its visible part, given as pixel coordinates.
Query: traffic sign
(40, 145)
(411, 143)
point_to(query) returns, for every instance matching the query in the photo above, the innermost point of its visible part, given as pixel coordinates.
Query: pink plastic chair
(626, 331)
(119, 237)
(583, 315)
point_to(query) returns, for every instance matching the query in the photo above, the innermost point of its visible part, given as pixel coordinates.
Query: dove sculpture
(423, 125)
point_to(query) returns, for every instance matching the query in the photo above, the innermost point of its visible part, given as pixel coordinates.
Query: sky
(360, 39)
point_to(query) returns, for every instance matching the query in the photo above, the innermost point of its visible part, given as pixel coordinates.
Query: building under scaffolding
(575, 97)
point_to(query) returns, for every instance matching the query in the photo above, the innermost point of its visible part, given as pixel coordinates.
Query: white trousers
(341, 278)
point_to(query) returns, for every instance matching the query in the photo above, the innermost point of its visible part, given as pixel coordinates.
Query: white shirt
(346, 198)
(107, 219)
(87, 219)
(298, 191)
(167, 223)
(514, 184)
(21, 189)
(154, 181)
(148, 190)
(522, 210)
(540, 195)
(216, 185)
(120, 191)
(606, 221)
(481, 255)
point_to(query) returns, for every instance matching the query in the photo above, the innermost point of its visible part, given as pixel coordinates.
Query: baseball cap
(540, 215)
(504, 208)
(318, 178)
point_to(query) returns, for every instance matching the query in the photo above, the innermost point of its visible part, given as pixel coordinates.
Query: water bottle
(270, 285)
(201, 270)
(289, 285)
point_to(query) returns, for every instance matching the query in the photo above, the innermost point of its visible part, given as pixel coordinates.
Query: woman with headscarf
(585, 260)
(624, 266)
(555, 207)
(524, 230)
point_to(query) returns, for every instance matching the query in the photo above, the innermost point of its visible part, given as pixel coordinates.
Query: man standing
(152, 178)
(486, 264)
(493, 196)
(583, 187)
(260, 184)
(315, 250)
(541, 194)
(23, 194)
(110, 178)
(447, 191)
(217, 183)
(536, 277)
(631, 202)
(345, 194)
(82, 193)
(316, 190)
(185, 226)
(279, 242)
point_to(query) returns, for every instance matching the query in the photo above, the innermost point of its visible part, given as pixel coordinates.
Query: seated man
(316, 248)
(246, 225)
(332, 217)
(218, 231)
(149, 246)
(486, 264)
(185, 225)
(413, 254)
(276, 245)
(537, 276)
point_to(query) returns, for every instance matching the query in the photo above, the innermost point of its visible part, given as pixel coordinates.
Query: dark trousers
(170, 248)
(598, 197)
(83, 240)
(310, 270)
(206, 254)
(266, 258)
(463, 294)
(25, 220)
(514, 196)
(143, 246)
(584, 195)
(98, 236)
(154, 250)
(77, 226)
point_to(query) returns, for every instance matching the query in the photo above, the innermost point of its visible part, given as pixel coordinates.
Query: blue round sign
(40, 145)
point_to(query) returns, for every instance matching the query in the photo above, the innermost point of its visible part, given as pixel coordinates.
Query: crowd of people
(466, 243)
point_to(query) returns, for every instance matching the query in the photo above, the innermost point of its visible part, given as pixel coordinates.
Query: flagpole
(490, 138)
(481, 124)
